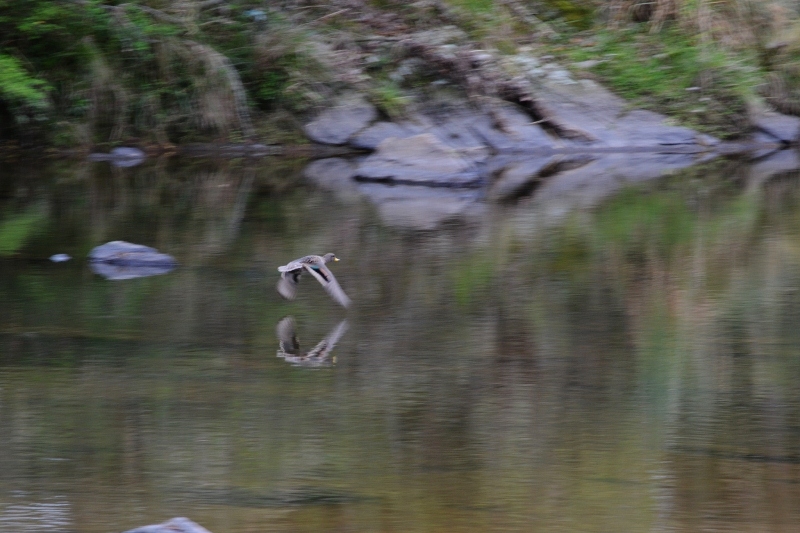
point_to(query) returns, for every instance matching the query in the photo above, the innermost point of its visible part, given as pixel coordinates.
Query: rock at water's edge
(337, 124)
(129, 254)
(123, 260)
(371, 137)
(122, 156)
(783, 128)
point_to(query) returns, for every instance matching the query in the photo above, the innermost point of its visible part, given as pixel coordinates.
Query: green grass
(671, 72)
(474, 6)
(390, 99)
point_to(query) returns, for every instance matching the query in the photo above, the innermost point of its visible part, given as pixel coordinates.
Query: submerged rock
(174, 525)
(123, 156)
(123, 260)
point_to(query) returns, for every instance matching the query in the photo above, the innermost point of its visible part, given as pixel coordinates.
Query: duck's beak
(335, 258)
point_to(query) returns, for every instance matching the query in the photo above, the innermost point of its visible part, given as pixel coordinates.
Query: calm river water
(629, 366)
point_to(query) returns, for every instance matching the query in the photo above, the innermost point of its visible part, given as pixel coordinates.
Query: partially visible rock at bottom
(175, 525)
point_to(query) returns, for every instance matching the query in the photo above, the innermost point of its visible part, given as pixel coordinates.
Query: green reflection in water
(630, 367)
(19, 228)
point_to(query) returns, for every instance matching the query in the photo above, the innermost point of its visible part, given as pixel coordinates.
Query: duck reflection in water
(289, 346)
(314, 265)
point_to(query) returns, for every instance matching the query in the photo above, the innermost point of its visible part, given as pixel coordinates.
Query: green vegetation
(389, 98)
(672, 72)
(17, 86)
(15, 231)
(144, 71)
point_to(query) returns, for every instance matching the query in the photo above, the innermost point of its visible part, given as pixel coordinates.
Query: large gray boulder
(371, 137)
(420, 159)
(777, 127)
(588, 112)
(459, 133)
(337, 124)
(510, 129)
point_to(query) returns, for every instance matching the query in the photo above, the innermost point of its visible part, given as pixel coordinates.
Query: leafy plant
(17, 86)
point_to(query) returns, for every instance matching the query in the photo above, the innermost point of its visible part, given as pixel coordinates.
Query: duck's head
(330, 257)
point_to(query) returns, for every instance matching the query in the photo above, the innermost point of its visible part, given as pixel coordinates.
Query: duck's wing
(287, 285)
(327, 280)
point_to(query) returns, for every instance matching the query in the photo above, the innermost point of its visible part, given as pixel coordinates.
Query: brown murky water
(633, 366)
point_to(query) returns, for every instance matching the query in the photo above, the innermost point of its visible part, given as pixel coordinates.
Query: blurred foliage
(154, 71)
(17, 86)
(578, 13)
(146, 71)
(17, 230)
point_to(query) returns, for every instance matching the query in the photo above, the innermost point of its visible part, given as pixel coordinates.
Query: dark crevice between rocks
(539, 118)
(392, 181)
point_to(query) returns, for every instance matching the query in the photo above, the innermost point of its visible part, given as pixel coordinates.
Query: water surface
(629, 366)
